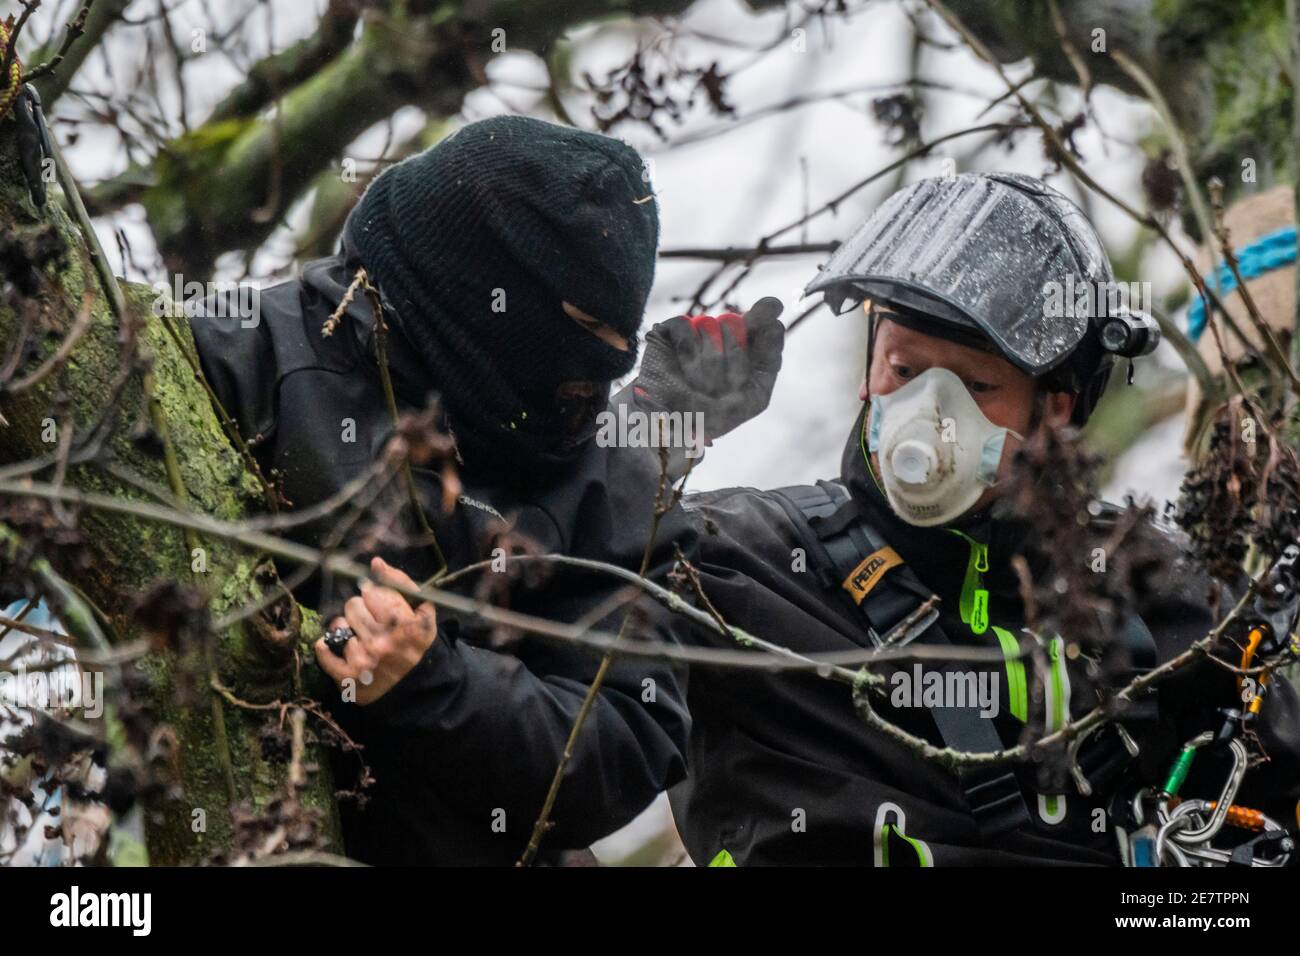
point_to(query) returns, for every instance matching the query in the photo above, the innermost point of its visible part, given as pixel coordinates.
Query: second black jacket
(785, 771)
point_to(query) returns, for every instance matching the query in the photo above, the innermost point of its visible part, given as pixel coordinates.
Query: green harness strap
(1017, 687)
(922, 851)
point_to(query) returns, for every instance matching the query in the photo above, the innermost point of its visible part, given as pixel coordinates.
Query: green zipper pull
(979, 622)
(974, 605)
(979, 618)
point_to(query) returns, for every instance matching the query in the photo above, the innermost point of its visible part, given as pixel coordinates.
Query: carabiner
(1240, 758)
(1179, 818)
(1178, 772)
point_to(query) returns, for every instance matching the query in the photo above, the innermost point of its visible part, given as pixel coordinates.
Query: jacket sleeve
(488, 728)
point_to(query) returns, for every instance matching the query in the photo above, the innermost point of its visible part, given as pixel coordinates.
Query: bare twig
(766, 242)
(344, 566)
(1103, 713)
(11, 42)
(1063, 154)
(390, 397)
(543, 818)
(74, 30)
(1209, 227)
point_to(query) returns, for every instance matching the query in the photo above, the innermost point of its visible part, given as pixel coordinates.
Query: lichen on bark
(219, 749)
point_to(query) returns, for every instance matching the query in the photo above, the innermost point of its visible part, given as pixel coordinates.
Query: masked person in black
(513, 263)
(962, 281)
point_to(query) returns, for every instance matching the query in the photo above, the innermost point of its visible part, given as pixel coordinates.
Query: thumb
(766, 310)
(385, 573)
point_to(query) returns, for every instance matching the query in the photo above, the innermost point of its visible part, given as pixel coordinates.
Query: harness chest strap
(837, 539)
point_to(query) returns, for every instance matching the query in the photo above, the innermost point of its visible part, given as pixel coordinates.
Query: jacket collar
(329, 279)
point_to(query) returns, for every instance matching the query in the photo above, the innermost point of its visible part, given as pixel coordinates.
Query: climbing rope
(1275, 250)
(15, 84)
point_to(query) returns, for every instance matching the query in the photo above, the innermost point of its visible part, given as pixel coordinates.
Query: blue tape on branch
(1271, 251)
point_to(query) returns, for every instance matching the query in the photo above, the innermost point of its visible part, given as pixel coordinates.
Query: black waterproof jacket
(784, 771)
(464, 748)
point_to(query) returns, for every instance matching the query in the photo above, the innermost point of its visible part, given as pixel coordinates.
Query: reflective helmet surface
(995, 254)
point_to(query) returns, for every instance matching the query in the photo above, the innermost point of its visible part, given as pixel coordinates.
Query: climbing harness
(898, 608)
(1167, 829)
(1172, 831)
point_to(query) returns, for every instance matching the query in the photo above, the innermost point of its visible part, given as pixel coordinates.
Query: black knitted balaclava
(477, 242)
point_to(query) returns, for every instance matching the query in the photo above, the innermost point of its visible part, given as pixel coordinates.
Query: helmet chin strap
(873, 319)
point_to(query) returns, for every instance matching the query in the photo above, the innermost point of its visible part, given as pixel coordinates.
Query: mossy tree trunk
(217, 754)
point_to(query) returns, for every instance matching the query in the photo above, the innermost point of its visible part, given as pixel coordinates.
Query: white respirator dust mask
(937, 451)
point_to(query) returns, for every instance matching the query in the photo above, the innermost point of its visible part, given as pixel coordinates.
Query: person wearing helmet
(973, 352)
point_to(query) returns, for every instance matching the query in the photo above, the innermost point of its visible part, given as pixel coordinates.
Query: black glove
(724, 366)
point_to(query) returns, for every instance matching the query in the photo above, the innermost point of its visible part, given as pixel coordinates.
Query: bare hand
(390, 637)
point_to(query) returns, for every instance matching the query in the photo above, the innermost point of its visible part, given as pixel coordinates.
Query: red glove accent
(711, 326)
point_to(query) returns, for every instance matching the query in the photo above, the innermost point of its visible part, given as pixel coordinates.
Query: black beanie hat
(477, 242)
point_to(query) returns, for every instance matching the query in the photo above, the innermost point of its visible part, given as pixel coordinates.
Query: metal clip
(35, 150)
(1203, 834)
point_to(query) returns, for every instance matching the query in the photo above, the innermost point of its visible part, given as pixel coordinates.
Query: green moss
(129, 554)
